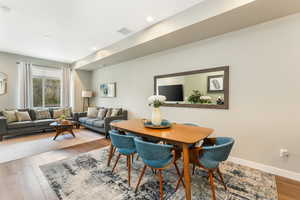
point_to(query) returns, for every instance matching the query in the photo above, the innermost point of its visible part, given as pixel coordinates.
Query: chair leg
(178, 182)
(194, 166)
(129, 168)
(140, 178)
(221, 177)
(178, 173)
(212, 185)
(161, 184)
(118, 158)
(110, 155)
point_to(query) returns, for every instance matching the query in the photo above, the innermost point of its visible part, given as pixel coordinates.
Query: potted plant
(194, 97)
(156, 101)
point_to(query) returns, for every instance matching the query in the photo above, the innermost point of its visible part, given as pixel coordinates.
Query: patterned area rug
(86, 177)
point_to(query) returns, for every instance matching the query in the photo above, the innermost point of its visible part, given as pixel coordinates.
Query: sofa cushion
(23, 116)
(90, 121)
(115, 112)
(99, 123)
(68, 112)
(92, 112)
(10, 115)
(43, 122)
(58, 113)
(83, 119)
(108, 113)
(42, 114)
(101, 113)
(15, 125)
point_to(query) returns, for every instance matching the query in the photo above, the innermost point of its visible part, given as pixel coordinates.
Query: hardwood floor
(22, 179)
(14, 148)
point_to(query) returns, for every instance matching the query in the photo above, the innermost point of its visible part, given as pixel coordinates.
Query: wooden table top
(65, 123)
(178, 132)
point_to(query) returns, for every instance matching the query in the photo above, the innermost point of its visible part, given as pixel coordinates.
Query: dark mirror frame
(209, 106)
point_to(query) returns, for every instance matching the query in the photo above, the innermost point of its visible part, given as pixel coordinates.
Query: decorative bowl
(164, 124)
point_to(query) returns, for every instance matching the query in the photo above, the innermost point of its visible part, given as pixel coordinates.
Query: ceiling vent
(124, 31)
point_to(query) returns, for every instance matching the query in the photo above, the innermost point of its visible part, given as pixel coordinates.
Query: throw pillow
(58, 113)
(108, 113)
(42, 114)
(115, 112)
(92, 112)
(10, 116)
(67, 112)
(101, 113)
(23, 116)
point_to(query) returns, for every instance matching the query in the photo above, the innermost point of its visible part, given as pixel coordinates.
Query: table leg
(186, 167)
(57, 133)
(71, 131)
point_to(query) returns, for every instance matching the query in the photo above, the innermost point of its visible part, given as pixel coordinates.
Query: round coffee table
(61, 127)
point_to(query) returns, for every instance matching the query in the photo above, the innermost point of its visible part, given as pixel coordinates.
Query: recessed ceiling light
(149, 19)
(124, 31)
(94, 48)
(47, 36)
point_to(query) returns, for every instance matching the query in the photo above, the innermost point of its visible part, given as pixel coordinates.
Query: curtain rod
(44, 65)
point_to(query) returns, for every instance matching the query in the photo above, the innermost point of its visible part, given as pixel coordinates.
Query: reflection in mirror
(3, 83)
(202, 88)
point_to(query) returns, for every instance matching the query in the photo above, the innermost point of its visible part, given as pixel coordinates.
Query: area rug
(86, 177)
(29, 145)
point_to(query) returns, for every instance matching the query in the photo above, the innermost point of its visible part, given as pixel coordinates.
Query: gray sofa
(100, 125)
(27, 127)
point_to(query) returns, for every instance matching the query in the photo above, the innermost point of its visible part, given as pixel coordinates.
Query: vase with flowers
(156, 101)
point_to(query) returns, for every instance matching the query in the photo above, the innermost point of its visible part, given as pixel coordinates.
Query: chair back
(121, 141)
(190, 124)
(152, 151)
(220, 151)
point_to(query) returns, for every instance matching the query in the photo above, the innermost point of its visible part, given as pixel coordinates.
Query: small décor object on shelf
(156, 101)
(194, 97)
(205, 99)
(220, 100)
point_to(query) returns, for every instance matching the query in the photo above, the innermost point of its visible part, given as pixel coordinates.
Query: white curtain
(24, 85)
(66, 86)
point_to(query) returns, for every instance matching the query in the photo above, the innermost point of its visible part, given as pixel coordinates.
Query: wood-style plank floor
(22, 179)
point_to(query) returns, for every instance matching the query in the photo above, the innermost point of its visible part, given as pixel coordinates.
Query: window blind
(46, 72)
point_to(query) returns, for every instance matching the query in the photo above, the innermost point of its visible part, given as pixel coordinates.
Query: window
(46, 86)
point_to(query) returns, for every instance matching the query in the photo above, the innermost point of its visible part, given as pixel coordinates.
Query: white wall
(264, 88)
(81, 80)
(8, 65)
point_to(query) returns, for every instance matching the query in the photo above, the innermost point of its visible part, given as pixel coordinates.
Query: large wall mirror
(206, 88)
(3, 83)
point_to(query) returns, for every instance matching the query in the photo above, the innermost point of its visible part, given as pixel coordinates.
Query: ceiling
(71, 29)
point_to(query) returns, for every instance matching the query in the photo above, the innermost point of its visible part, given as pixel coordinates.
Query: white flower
(205, 98)
(159, 98)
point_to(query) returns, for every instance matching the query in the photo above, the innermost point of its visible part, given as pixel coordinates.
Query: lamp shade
(87, 93)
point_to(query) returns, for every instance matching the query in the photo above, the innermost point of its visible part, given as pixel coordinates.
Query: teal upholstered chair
(157, 157)
(210, 155)
(125, 146)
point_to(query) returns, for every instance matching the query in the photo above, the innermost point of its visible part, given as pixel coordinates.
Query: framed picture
(215, 83)
(108, 90)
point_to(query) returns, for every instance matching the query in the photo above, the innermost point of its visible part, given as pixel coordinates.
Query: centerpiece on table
(156, 101)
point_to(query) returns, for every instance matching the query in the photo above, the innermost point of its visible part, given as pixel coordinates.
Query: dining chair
(157, 157)
(209, 156)
(125, 146)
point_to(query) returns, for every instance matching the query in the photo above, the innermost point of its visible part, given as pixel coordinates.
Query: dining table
(178, 134)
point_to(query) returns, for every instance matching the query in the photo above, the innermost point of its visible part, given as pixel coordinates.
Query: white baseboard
(266, 168)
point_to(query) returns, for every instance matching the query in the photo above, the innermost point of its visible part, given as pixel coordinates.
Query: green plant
(194, 97)
(62, 117)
